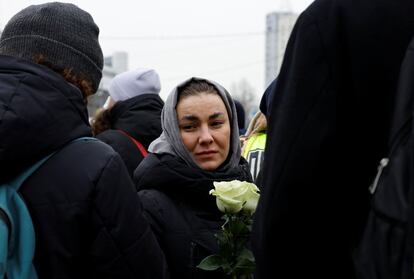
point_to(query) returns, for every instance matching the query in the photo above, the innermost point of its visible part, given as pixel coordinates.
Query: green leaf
(211, 262)
(247, 254)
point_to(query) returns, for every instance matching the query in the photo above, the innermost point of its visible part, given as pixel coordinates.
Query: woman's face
(205, 129)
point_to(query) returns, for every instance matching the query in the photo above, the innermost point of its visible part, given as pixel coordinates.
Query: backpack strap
(5, 219)
(17, 236)
(139, 145)
(18, 181)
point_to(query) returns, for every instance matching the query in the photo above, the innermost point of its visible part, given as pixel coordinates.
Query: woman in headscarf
(199, 145)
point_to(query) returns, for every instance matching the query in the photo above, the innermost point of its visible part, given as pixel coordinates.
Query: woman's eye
(216, 123)
(188, 127)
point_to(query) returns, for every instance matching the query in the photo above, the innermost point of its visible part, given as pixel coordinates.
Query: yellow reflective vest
(253, 152)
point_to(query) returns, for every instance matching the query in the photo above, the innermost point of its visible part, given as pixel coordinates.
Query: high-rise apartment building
(279, 25)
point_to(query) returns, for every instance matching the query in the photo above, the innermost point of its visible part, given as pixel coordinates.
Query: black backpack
(386, 249)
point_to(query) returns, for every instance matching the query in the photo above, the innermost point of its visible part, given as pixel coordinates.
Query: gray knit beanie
(65, 35)
(134, 83)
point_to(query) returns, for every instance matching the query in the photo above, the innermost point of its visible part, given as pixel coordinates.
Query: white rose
(252, 198)
(233, 196)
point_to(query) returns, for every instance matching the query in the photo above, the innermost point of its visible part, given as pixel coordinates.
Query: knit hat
(65, 35)
(133, 83)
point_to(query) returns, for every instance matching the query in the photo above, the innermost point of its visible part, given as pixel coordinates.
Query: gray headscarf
(170, 140)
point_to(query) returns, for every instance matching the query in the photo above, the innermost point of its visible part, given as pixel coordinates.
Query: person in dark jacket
(86, 214)
(199, 145)
(328, 127)
(241, 117)
(131, 119)
(266, 101)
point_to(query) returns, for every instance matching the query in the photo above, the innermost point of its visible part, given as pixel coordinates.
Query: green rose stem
(233, 256)
(238, 200)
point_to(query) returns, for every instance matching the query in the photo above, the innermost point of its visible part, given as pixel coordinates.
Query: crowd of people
(135, 202)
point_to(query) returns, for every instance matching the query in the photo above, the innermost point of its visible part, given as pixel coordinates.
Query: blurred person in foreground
(86, 214)
(199, 145)
(327, 131)
(131, 117)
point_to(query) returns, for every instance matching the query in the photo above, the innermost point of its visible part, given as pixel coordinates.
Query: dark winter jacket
(182, 214)
(87, 216)
(328, 129)
(140, 118)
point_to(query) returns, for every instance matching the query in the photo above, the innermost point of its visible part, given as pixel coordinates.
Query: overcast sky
(221, 40)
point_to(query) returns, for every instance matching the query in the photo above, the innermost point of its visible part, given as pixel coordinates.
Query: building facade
(115, 64)
(279, 25)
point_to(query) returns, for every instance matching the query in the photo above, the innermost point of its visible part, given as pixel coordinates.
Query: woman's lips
(206, 154)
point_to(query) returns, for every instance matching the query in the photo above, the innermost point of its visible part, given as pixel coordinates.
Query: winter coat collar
(171, 175)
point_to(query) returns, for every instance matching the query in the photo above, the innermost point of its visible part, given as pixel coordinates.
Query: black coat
(328, 127)
(140, 118)
(183, 215)
(87, 216)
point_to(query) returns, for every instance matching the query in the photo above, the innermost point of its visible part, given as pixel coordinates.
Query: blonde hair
(257, 124)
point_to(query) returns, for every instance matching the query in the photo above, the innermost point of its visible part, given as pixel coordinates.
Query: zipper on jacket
(383, 163)
(400, 135)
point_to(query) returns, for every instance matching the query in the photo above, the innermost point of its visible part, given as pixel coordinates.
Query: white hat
(133, 83)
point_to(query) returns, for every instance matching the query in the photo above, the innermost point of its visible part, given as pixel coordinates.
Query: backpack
(17, 236)
(386, 248)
